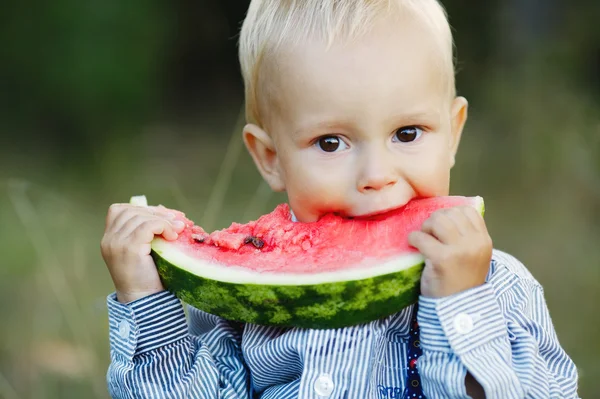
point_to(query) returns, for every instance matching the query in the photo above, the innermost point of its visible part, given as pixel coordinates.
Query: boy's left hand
(458, 249)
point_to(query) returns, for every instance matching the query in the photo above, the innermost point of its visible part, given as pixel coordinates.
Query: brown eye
(408, 134)
(331, 143)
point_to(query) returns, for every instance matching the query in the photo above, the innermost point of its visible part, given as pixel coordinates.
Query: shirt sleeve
(502, 334)
(154, 355)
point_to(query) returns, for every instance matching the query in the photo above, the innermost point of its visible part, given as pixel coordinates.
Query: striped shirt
(500, 332)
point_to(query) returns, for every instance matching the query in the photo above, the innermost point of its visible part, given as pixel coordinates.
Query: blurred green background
(103, 100)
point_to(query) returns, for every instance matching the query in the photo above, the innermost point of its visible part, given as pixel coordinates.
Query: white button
(124, 329)
(324, 385)
(463, 323)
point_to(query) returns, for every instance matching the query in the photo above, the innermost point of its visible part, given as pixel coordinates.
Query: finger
(428, 263)
(441, 227)
(178, 225)
(127, 213)
(141, 222)
(476, 219)
(151, 210)
(461, 221)
(114, 217)
(131, 211)
(169, 231)
(146, 231)
(145, 249)
(162, 212)
(170, 216)
(425, 243)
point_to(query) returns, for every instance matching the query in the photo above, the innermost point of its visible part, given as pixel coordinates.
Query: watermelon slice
(332, 273)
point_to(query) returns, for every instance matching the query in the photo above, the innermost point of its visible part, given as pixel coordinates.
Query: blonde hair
(271, 23)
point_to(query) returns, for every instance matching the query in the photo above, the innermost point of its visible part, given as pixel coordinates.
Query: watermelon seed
(257, 242)
(198, 238)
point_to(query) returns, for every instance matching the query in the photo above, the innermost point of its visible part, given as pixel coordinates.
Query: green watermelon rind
(318, 306)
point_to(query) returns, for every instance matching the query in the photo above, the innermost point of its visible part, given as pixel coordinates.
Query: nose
(377, 171)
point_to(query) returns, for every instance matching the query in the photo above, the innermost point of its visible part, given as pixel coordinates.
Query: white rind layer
(479, 204)
(139, 200)
(241, 275)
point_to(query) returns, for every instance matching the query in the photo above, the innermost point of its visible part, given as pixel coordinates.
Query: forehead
(397, 66)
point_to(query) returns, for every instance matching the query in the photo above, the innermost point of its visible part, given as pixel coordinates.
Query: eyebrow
(401, 119)
(420, 115)
(320, 125)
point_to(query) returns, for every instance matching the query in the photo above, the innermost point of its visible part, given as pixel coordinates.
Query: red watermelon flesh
(275, 243)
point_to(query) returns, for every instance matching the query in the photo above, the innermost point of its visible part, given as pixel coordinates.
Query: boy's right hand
(126, 248)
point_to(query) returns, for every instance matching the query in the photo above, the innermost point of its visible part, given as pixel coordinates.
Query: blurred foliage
(103, 100)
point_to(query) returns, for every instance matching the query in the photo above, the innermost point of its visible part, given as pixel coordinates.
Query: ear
(458, 112)
(262, 149)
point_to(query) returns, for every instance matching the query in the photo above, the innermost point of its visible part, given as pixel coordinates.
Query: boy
(351, 109)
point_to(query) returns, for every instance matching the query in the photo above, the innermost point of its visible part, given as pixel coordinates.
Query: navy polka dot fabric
(413, 380)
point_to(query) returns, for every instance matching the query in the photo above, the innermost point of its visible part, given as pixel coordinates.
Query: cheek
(431, 173)
(313, 179)
(304, 168)
(311, 195)
(315, 186)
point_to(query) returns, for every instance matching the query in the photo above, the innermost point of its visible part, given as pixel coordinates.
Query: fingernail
(171, 215)
(178, 224)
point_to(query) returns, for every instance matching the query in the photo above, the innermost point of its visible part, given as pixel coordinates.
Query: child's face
(359, 128)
